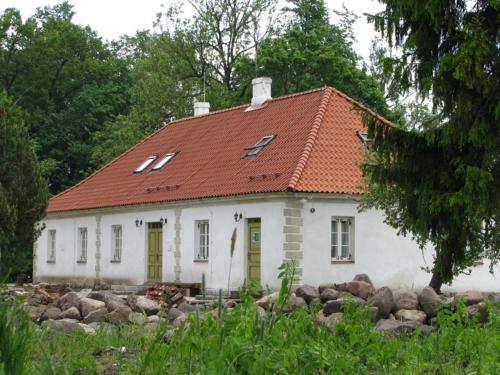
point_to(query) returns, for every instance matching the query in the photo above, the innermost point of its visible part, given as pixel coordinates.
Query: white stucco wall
(133, 266)
(386, 257)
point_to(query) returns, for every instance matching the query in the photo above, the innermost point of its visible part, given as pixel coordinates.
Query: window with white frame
(82, 244)
(342, 246)
(51, 246)
(116, 243)
(202, 239)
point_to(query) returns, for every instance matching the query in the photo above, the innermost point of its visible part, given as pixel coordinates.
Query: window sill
(342, 262)
(81, 261)
(51, 261)
(200, 260)
(115, 261)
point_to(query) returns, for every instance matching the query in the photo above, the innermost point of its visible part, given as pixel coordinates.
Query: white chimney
(201, 108)
(261, 90)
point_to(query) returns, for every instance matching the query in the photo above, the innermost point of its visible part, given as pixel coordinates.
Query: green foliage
(68, 83)
(310, 52)
(15, 336)
(438, 180)
(23, 192)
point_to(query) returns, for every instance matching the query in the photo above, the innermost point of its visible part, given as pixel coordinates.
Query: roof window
(254, 150)
(145, 164)
(163, 161)
(364, 137)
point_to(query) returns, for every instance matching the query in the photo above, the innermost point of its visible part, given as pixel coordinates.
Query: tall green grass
(246, 340)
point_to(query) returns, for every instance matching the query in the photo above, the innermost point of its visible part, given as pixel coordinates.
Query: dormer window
(163, 161)
(146, 163)
(254, 150)
(364, 137)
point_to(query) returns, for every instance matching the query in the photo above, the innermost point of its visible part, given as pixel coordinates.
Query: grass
(245, 341)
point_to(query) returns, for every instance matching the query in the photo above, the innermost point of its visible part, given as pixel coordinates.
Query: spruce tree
(23, 193)
(439, 181)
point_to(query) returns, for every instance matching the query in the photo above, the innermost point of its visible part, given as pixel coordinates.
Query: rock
(71, 313)
(329, 294)
(141, 303)
(315, 302)
(374, 314)
(395, 327)
(405, 299)
(479, 311)
(120, 315)
(429, 300)
(176, 298)
(36, 312)
(71, 299)
(360, 289)
(469, 298)
(155, 319)
(325, 286)
(296, 303)
(98, 315)
(231, 303)
(268, 300)
(107, 328)
(363, 277)
(35, 300)
(492, 297)
(51, 313)
(137, 318)
(88, 330)
(151, 327)
(336, 306)
(113, 304)
(384, 300)
(329, 321)
(99, 295)
(179, 321)
(88, 305)
(307, 292)
(67, 326)
(174, 313)
(187, 308)
(410, 315)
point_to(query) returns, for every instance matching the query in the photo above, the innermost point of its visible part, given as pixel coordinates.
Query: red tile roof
(315, 150)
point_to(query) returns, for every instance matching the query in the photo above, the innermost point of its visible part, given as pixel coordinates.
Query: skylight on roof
(254, 150)
(163, 161)
(145, 164)
(364, 137)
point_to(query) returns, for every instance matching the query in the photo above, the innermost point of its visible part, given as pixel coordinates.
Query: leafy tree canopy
(439, 180)
(68, 83)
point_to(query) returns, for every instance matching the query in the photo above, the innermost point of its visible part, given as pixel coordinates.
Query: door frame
(160, 225)
(247, 247)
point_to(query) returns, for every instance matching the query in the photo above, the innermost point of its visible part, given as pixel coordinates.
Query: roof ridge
(222, 110)
(110, 162)
(311, 139)
(361, 105)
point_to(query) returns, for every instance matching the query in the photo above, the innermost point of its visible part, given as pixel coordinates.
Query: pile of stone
(87, 311)
(393, 311)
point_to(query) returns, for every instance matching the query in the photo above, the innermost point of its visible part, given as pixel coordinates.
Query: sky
(113, 18)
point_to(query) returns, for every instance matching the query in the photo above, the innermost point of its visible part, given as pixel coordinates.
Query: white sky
(112, 18)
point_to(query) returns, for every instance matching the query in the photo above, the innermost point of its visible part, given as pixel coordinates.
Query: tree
(181, 61)
(309, 52)
(68, 83)
(438, 181)
(23, 192)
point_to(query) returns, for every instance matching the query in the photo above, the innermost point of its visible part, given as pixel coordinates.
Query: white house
(283, 172)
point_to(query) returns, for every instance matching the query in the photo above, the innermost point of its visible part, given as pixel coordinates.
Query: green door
(254, 250)
(155, 251)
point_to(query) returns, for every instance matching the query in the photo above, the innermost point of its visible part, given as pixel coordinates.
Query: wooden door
(253, 273)
(155, 252)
